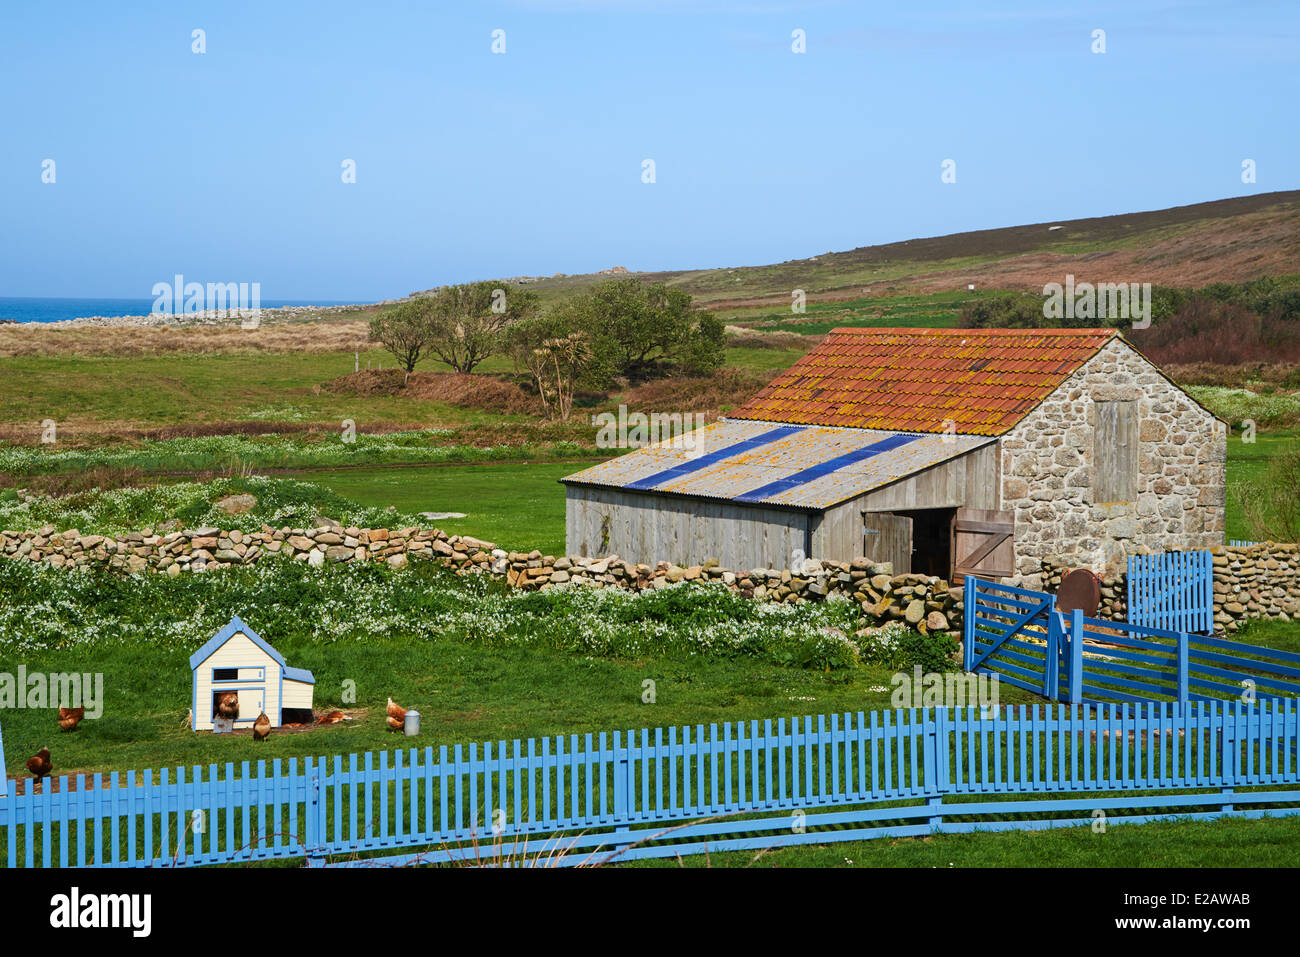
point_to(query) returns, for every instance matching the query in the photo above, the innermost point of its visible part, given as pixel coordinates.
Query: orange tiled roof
(913, 380)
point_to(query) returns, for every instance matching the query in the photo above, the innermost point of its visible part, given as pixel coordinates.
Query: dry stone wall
(1257, 581)
(924, 602)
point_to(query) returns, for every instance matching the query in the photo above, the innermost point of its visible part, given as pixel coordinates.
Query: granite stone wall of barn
(1050, 466)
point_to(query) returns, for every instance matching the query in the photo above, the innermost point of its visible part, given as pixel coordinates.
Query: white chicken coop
(237, 659)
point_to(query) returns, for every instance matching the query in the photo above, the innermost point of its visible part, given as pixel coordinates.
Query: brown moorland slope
(1230, 240)
(1224, 240)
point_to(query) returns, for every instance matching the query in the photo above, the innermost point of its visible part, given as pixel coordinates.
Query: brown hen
(396, 716)
(39, 764)
(228, 705)
(69, 718)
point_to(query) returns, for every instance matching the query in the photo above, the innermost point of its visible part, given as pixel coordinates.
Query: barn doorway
(931, 540)
(913, 540)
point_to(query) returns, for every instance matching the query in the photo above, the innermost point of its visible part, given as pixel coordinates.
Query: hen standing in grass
(261, 727)
(69, 718)
(39, 764)
(396, 716)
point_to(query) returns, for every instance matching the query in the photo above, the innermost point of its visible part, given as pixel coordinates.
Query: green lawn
(517, 506)
(1248, 462)
(479, 660)
(471, 694)
(465, 694)
(1230, 842)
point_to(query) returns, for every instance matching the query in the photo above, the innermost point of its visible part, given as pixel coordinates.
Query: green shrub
(899, 648)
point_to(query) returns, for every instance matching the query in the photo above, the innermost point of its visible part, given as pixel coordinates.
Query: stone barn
(943, 451)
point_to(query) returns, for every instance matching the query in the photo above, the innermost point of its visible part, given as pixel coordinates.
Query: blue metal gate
(1174, 590)
(1019, 635)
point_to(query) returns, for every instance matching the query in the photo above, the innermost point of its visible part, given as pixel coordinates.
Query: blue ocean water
(53, 310)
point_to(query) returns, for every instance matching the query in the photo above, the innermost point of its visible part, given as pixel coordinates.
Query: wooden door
(252, 702)
(887, 537)
(983, 544)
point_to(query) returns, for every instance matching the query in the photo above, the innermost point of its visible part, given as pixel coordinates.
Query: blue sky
(226, 166)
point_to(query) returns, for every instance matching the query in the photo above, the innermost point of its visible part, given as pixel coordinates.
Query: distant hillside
(1225, 240)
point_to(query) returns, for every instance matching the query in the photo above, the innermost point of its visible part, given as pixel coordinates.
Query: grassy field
(464, 694)
(1231, 842)
(480, 661)
(117, 401)
(470, 687)
(518, 505)
(468, 691)
(1248, 463)
(499, 500)
(519, 508)
(110, 396)
(941, 310)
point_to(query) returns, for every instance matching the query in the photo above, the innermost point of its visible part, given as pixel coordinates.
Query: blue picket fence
(1172, 590)
(1018, 635)
(666, 792)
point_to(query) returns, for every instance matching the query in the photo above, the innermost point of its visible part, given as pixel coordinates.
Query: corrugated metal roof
(811, 467)
(983, 381)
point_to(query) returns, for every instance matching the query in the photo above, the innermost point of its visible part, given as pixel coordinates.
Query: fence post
(315, 838)
(622, 812)
(1183, 671)
(1052, 666)
(934, 763)
(1076, 656)
(936, 812)
(942, 749)
(968, 623)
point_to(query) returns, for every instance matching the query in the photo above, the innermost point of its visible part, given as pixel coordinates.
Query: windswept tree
(645, 330)
(404, 331)
(467, 323)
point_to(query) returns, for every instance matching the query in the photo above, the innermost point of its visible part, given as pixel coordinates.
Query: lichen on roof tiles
(982, 380)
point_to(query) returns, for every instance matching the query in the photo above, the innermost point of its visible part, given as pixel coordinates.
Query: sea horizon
(25, 309)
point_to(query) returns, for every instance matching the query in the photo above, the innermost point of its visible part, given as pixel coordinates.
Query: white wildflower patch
(43, 607)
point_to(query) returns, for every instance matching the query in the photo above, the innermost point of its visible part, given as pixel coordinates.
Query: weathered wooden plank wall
(651, 528)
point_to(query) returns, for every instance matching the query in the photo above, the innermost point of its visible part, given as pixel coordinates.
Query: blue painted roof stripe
(815, 472)
(704, 461)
